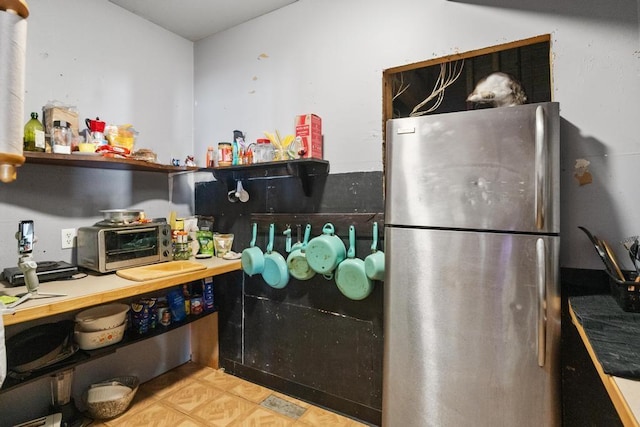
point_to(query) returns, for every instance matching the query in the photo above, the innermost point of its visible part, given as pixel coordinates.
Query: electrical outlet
(68, 237)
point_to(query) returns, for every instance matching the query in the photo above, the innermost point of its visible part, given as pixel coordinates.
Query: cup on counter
(86, 147)
(222, 243)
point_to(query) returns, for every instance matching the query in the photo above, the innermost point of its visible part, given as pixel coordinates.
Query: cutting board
(157, 271)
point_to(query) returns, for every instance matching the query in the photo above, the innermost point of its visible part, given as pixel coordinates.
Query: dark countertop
(612, 339)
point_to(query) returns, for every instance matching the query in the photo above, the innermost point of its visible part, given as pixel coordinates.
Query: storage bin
(626, 293)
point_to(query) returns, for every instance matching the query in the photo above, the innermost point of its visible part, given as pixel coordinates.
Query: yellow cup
(86, 147)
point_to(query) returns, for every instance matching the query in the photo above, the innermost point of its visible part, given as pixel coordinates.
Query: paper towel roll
(13, 41)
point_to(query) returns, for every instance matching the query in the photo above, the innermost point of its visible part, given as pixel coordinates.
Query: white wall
(109, 63)
(327, 57)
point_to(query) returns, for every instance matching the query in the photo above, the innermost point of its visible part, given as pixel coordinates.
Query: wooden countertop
(624, 393)
(98, 289)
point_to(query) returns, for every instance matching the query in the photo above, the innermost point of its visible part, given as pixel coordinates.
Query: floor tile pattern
(197, 396)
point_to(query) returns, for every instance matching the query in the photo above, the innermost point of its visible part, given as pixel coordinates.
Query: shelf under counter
(101, 162)
(99, 289)
(204, 326)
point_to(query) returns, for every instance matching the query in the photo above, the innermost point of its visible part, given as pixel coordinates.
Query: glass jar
(257, 151)
(225, 154)
(181, 251)
(210, 158)
(181, 245)
(61, 137)
(264, 151)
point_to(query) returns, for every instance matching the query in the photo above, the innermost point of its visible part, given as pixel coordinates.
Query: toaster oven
(109, 247)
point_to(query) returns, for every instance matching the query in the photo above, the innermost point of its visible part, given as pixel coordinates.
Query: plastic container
(264, 151)
(121, 136)
(235, 153)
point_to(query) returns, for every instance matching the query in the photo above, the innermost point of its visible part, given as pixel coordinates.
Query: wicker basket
(105, 409)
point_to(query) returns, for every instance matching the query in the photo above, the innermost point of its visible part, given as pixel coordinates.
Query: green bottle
(34, 134)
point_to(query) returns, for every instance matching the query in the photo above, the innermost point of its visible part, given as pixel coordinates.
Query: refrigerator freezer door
(490, 169)
(461, 329)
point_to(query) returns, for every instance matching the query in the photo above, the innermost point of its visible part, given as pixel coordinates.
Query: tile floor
(192, 395)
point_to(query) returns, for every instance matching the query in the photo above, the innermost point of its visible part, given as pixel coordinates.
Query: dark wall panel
(323, 350)
(307, 339)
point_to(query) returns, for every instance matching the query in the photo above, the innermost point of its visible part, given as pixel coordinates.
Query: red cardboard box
(309, 128)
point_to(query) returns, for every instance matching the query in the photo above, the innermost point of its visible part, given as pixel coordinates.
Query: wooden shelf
(100, 162)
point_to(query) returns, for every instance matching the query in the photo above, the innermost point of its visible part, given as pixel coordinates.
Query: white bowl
(103, 317)
(90, 340)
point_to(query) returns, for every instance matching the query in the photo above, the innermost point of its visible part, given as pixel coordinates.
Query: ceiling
(197, 19)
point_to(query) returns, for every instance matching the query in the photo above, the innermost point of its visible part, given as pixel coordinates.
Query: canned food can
(196, 304)
(164, 315)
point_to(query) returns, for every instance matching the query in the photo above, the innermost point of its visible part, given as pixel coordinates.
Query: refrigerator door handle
(540, 162)
(541, 278)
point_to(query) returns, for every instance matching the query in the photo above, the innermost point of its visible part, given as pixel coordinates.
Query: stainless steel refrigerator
(472, 295)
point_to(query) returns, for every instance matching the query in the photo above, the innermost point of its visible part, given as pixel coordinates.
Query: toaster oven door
(130, 247)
